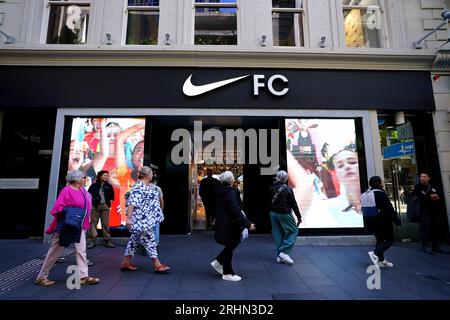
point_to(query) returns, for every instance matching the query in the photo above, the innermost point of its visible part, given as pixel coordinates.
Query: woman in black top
(102, 195)
(229, 224)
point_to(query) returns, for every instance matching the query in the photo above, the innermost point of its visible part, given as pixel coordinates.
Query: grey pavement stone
(319, 272)
(331, 292)
(300, 296)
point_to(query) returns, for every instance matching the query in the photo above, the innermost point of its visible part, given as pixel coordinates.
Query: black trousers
(384, 233)
(226, 256)
(209, 212)
(429, 228)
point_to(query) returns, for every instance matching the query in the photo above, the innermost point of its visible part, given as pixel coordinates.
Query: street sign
(399, 150)
(19, 183)
(404, 131)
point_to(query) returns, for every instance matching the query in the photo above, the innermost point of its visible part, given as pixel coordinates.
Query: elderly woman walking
(73, 195)
(229, 225)
(143, 212)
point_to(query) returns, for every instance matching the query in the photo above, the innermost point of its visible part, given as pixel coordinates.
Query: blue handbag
(74, 216)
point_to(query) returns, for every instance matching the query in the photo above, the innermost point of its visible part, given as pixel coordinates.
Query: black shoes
(109, 244)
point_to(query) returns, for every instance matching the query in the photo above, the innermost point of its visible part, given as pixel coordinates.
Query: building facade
(317, 77)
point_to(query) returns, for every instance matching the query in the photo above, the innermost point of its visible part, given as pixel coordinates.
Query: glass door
(400, 171)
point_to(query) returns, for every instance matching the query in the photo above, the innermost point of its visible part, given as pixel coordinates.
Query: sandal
(44, 282)
(89, 280)
(161, 269)
(128, 267)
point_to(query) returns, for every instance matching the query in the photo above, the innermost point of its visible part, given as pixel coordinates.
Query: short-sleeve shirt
(147, 209)
(157, 189)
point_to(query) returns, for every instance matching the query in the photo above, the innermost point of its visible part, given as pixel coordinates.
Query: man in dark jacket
(102, 195)
(429, 199)
(206, 191)
(381, 224)
(229, 224)
(284, 227)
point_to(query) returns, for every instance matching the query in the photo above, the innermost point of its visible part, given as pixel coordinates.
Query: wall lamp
(108, 39)
(9, 39)
(167, 41)
(445, 17)
(263, 41)
(322, 42)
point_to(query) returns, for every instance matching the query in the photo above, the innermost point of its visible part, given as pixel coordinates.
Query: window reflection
(68, 24)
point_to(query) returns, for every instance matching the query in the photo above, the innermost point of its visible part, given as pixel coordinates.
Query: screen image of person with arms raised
(319, 208)
(125, 176)
(115, 145)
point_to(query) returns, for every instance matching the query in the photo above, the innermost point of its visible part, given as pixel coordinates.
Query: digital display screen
(323, 170)
(112, 144)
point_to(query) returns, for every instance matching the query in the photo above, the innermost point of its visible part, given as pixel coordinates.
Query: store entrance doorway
(400, 172)
(199, 173)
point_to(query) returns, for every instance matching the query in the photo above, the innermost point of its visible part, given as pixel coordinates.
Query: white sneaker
(385, 264)
(282, 261)
(285, 257)
(217, 266)
(231, 277)
(374, 258)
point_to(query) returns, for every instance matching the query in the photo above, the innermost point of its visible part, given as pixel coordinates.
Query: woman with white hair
(284, 227)
(143, 212)
(229, 224)
(73, 195)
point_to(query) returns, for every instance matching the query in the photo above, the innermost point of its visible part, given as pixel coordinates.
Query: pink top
(72, 198)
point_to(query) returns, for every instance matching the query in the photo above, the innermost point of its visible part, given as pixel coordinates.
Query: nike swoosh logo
(192, 90)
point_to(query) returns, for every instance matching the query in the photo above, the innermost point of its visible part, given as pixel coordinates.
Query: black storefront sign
(162, 87)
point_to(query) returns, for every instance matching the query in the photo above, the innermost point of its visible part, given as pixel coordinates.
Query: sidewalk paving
(319, 273)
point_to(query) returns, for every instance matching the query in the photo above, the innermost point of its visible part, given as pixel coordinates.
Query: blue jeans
(156, 230)
(284, 230)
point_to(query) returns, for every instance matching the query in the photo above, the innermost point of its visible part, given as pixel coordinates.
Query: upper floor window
(288, 23)
(362, 23)
(215, 22)
(142, 22)
(68, 22)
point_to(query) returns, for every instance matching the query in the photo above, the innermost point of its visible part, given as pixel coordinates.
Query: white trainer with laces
(385, 264)
(374, 258)
(231, 277)
(217, 266)
(285, 258)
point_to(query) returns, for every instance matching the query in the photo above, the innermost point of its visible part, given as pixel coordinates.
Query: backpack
(368, 204)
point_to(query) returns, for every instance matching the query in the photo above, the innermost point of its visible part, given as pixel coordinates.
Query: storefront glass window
(287, 23)
(362, 23)
(112, 144)
(68, 23)
(215, 22)
(143, 22)
(324, 171)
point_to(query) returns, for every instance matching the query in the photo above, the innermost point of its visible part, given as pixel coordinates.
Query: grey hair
(145, 172)
(75, 176)
(226, 178)
(282, 176)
